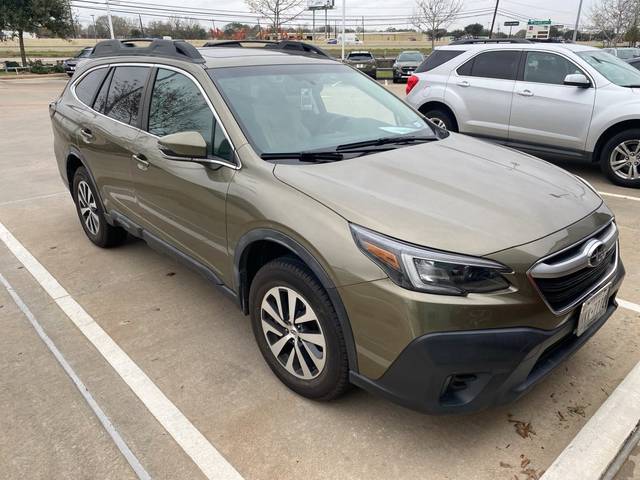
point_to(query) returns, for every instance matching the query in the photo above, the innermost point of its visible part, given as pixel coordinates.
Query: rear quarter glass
(437, 58)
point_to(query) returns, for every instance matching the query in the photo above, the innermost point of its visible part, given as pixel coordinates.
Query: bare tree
(614, 18)
(432, 15)
(278, 12)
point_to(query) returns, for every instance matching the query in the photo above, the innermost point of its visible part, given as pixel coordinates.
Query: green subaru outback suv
(368, 246)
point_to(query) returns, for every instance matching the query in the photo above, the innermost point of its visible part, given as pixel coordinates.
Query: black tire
(445, 117)
(105, 235)
(633, 137)
(290, 273)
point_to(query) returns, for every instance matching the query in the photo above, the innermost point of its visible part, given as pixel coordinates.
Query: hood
(458, 194)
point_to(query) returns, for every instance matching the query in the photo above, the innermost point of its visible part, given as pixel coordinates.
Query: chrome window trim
(223, 163)
(607, 278)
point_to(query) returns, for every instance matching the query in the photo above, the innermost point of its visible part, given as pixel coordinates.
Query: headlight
(432, 271)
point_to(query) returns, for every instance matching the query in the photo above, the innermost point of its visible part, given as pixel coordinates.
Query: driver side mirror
(190, 145)
(577, 80)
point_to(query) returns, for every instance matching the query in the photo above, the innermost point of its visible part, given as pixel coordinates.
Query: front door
(180, 201)
(547, 112)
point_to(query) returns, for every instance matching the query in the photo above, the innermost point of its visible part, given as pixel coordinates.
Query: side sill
(165, 248)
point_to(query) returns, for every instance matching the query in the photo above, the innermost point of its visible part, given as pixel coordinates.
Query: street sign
(539, 22)
(320, 4)
(511, 24)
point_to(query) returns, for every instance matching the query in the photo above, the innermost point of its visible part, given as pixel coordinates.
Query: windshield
(612, 68)
(85, 53)
(359, 57)
(410, 57)
(298, 108)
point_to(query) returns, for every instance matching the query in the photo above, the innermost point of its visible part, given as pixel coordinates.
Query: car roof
(360, 52)
(557, 47)
(236, 57)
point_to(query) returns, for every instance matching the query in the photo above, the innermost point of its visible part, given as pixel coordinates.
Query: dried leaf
(505, 465)
(561, 416)
(523, 429)
(576, 410)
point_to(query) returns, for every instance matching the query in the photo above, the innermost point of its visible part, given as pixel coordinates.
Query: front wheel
(297, 330)
(620, 158)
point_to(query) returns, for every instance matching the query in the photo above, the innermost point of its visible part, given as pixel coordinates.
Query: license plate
(360, 65)
(592, 309)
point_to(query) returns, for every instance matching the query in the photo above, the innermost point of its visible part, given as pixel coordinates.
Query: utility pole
(495, 12)
(95, 30)
(141, 27)
(110, 21)
(575, 30)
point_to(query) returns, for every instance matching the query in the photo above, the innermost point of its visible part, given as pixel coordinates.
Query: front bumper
(465, 371)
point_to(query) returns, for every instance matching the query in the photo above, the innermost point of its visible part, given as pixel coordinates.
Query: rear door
(108, 133)
(547, 112)
(182, 202)
(482, 90)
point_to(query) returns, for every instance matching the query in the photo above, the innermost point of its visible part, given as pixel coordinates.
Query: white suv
(547, 99)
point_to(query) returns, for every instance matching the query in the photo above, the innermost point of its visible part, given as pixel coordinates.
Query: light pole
(110, 22)
(495, 12)
(95, 30)
(575, 30)
(344, 14)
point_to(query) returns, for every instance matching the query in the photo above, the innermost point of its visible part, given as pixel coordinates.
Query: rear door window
(87, 87)
(437, 58)
(499, 65)
(123, 99)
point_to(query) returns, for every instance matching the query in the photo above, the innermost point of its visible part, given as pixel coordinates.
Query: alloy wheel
(88, 208)
(293, 332)
(439, 122)
(625, 160)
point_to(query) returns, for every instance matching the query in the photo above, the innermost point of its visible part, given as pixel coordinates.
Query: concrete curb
(594, 453)
(28, 76)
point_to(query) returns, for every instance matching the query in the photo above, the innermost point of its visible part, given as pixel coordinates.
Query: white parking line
(629, 305)
(616, 195)
(84, 391)
(212, 464)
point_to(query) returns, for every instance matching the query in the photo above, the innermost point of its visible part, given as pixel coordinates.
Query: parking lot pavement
(197, 348)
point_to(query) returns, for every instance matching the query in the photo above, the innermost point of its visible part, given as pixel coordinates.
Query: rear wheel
(297, 330)
(442, 119)
(620, 158)
(91, 215)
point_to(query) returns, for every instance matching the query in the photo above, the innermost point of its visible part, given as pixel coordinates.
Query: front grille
(563, 291)
(567, 277)
(408, 69)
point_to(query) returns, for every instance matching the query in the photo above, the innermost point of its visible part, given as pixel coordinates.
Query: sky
(379, 13)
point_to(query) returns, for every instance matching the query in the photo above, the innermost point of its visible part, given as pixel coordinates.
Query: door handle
(464, 83)
(141, 161)
(86, 134)
(526, 93)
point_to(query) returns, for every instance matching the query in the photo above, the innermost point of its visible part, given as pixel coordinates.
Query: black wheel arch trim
(267, 234)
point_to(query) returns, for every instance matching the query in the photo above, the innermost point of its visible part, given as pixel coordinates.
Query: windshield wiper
(385, 141)
(312, 157)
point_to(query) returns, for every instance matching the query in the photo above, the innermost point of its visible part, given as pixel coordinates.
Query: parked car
(634, 62)
(363, 61)
(625, 53)
(367, 245)
(548, 99)
(332, 41)
(406, 64)
(70, 64)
